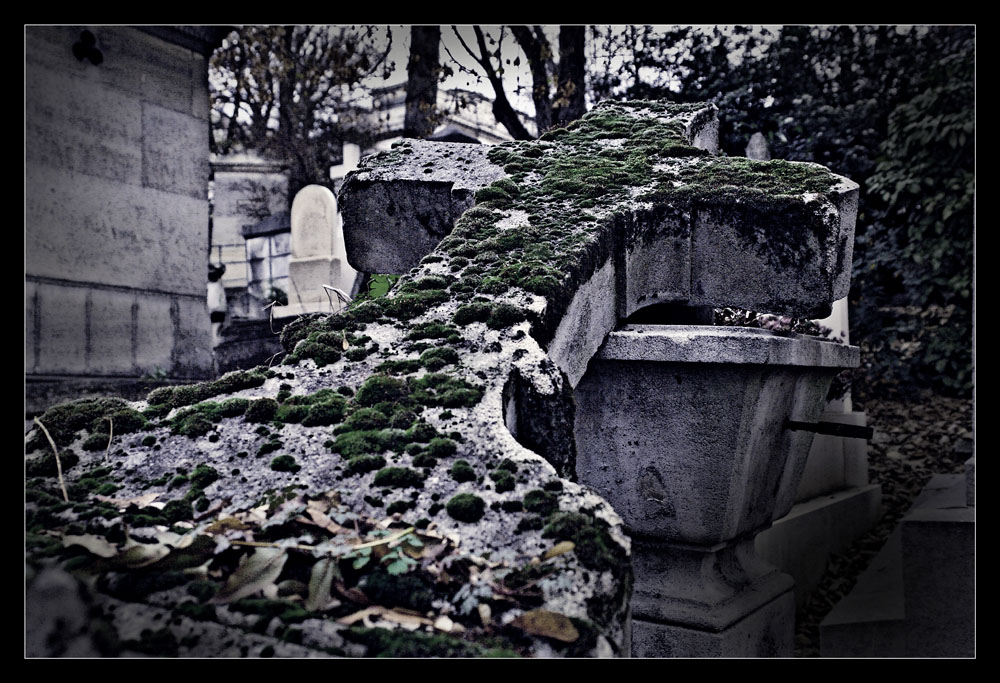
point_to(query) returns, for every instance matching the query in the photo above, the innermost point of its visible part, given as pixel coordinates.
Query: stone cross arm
(638, 180)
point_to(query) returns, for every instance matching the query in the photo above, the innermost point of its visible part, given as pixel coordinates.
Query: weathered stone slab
(404, 201)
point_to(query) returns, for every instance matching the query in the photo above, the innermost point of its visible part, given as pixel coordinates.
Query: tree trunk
(421, 85)
(538, 51)
(569, 102)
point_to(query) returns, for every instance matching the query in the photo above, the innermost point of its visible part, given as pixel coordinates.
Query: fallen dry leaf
(558, 549)
(541, 622)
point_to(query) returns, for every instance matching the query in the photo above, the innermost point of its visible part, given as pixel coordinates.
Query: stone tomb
(444, 413)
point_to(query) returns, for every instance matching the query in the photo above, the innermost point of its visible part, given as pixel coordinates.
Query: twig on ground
(62, 482)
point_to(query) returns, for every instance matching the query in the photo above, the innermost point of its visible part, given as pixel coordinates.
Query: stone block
(768, 632)
(111, 333)
(90, 229)
(31, 322)
(62, 313)
(801, 543)
(394, 216)
(192, 353)
(939, 572)
(154, 334)
(174, 152)
(648, 466)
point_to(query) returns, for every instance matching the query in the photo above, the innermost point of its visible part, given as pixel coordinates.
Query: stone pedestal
(681, 428)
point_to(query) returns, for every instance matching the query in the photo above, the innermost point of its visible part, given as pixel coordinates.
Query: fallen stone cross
(403, 483)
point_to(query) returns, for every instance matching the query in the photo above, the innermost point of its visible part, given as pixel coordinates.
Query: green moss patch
(466, 507)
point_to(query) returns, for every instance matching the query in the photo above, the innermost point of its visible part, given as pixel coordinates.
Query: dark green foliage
(461, 471)
(45, 466)
(285, 463)
(594, 545)
(64, 421)
(270, 447)
(466, 507)
(411, 590)
(398, 477)
(291, 414)
(424, 460)
(398, 506)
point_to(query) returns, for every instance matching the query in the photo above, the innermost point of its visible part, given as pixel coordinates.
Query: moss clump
(64, 421)
(203, 475)
(177, 511)
(96, 442)
(466, 507)
(442, 390)
(541, 502)
(399, 506)
(285, 463)
(365, 463)
(291, 414)
(45, 466)
(352, 444)
(503, 480)
(508, 464)
(594, 546)
(435, 359)
(326, 413)
(261, 410)
(398, 643)
(270, 447)
(286, 611)
(442, 448)
(430, 330)
(398, 477)
(399, 367)
(461, 471)
(381, 389)
(424, 460)
(365, 419)
(148, 440)
(421, 432)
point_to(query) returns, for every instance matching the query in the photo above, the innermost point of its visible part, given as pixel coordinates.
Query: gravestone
(757, 148)
(446, 406)
(318, 256)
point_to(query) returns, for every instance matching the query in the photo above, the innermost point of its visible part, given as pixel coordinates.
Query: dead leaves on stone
(324, 534)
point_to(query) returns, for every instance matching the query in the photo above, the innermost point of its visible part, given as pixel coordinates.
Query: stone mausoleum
(116, 207)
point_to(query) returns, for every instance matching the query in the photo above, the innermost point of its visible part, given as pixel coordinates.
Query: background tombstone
(757, 148)
(318, 256)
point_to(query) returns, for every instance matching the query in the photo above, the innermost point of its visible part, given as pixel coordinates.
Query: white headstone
(318, 257)
(757, 148)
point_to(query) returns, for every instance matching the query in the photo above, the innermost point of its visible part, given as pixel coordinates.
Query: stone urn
(684, 430)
